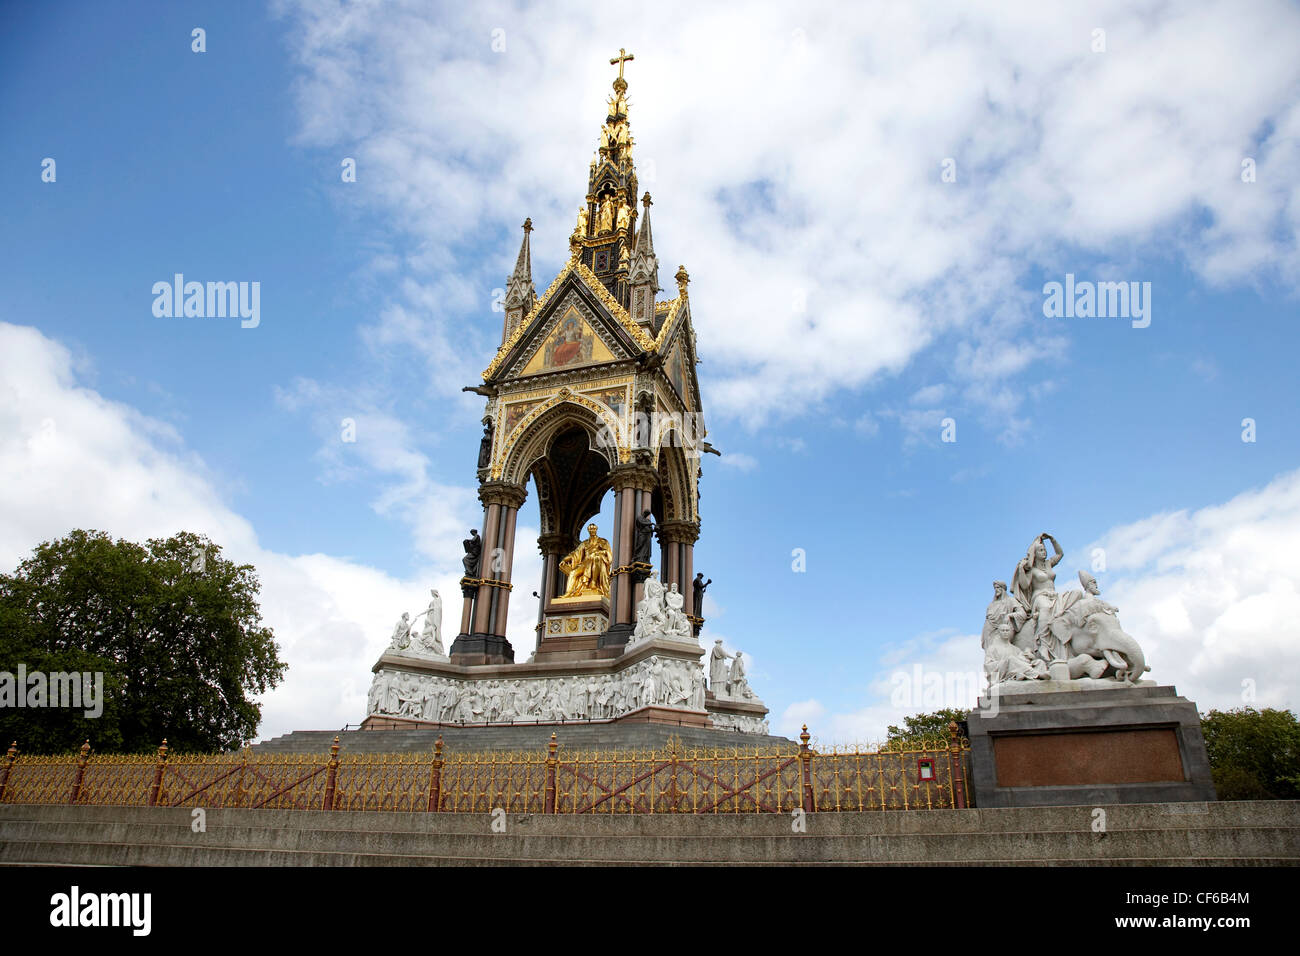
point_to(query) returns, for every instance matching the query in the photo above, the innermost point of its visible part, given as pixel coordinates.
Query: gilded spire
(606, 227)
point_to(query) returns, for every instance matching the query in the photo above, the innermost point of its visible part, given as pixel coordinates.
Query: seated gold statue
(588, 566)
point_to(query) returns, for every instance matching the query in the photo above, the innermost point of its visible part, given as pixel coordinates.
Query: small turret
(643, 273)
(521, 294)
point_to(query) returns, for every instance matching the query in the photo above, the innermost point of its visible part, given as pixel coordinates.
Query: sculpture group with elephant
(1035, 633)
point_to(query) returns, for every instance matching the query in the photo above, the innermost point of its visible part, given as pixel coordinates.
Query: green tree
(923, 728)
(1254, 754)
(174, 627)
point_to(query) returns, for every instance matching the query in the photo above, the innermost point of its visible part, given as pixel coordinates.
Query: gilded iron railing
(673, 779)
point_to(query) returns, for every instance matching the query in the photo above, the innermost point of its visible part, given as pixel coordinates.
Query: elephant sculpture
(1096, 644)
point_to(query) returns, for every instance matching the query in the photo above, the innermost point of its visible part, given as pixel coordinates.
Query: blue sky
(846, 300)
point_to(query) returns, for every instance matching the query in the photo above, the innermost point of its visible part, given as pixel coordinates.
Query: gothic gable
(571, 327)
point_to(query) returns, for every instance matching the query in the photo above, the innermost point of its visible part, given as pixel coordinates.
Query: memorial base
(660, 680)
(1044, 745)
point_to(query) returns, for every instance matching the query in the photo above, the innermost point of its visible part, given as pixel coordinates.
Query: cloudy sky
(870, 202)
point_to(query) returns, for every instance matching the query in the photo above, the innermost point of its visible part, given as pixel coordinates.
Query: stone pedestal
(469, 650)
(571, 628)
(1063, 743)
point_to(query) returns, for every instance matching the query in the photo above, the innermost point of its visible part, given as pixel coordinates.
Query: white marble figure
(1038, 633)
(401, 633)
(676, 625)
(651, 612)
(378, 690)
(1002, 608)
(659, 681)
(738, 684)
(718, 669)
(1004, 661)
(430, 642)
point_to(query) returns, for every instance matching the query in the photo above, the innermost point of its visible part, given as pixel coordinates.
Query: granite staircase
(1187, 834)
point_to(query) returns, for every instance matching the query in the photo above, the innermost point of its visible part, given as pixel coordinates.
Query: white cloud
(69, 458)
(739, 461)
(802, 158)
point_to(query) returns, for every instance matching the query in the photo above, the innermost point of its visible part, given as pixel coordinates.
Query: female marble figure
(378, 690)
(392, 699)
(1034, 585)
(431, 634)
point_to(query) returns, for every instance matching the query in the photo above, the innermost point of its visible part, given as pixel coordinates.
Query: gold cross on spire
(623, 55)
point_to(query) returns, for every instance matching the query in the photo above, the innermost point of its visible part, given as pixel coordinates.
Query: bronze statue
(642, 535)
(473, 552)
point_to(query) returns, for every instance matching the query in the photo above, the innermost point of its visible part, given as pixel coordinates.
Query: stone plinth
(473, 650)
(571, 628)
(1072, 745)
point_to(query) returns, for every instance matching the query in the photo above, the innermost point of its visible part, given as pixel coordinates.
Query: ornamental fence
(675, 779)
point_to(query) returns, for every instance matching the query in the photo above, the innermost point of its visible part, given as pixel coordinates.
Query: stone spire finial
(521, 294)
(643, 271)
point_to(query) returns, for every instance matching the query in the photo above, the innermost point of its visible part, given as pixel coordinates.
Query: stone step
(1153, 834)
(738, 847)
(136, 855)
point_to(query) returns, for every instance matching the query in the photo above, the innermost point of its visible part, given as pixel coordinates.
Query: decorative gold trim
(602, 411)
(615, 309)
(526, 321)
(596, 288)
(670, 321)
